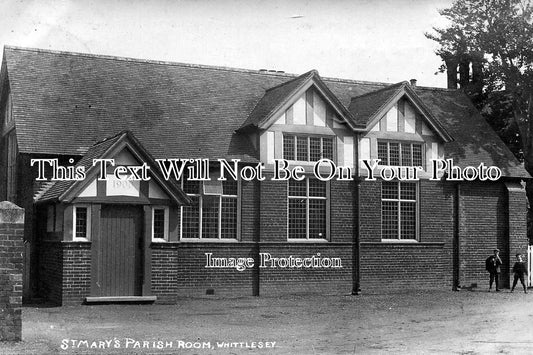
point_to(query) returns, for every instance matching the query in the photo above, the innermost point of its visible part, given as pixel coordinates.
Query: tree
(487, 51)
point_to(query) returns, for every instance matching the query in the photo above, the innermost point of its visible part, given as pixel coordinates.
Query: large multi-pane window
(307, 215)
(213, 213)
(307, 148)
(399, 210)
(400, 154)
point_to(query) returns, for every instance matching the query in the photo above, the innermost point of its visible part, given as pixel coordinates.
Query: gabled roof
(280, 96)
(64, 103)
(66, 191)
(475, 141)
(369, 108)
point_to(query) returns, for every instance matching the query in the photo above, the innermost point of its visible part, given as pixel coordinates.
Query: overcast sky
(380, 40)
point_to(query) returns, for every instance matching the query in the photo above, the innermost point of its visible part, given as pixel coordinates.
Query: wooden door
(120, 251)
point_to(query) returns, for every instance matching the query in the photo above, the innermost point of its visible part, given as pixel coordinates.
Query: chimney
(413, 82)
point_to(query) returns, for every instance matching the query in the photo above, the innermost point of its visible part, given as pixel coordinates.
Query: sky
(381, 40)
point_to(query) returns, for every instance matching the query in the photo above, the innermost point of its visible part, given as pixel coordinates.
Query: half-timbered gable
(162, 238)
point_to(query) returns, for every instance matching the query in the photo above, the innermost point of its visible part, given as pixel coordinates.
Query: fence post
(11, 249)
(530, 265)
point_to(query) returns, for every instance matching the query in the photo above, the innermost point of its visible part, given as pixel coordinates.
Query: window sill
(208, 240)
(159, 240)
(307, 240)
(405, 243)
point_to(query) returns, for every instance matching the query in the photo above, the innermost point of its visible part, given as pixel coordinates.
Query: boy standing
(519, 269)
(492, 265)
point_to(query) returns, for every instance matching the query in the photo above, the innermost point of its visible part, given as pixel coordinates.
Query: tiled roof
(105, 149)
(59, 187)
(274, 97)
(474, 140)
(66, 102)
(365, 106)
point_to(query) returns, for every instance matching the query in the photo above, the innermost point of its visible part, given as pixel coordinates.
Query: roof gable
(279, 98)
(66, 191)
(371, 107)
(183, 110)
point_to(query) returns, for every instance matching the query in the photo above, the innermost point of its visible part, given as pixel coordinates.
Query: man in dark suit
(492, 265)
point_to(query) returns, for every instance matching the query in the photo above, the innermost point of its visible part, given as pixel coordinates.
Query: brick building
(101, 237)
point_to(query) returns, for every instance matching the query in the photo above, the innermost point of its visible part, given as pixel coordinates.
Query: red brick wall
(483, 226)
(11, 248)
(250, 205)
(51, 271)
(342, 211)
(276, 281)
(273, 218)
(65, 272)
(370, 211)
(399, 265)
(178, 270)
(389, 267)
(518, 241)
(76, 272)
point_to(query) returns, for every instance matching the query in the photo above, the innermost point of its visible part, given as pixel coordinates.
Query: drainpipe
(356, 256)
(456, 285)
(356, 290)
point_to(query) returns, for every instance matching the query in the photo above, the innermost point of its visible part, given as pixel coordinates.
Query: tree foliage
(490, 42)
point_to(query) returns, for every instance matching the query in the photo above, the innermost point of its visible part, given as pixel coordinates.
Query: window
(304, 148)
(399, 210)
(400, 154)
(307, 204)
(213, 213)
(160, 224)
(82, 223)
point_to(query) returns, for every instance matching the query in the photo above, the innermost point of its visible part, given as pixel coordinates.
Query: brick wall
(400, 265)
(178, 270)
(273, 218)
(518, 242)
(389, 267)
(342, 211)
(278, 280)
(76, 272)
(65, 272)
(51, 271)
(250, 205)
(11, 249)
(370, 211)
(483, 226)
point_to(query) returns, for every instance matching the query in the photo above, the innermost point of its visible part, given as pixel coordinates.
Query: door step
(121, 299)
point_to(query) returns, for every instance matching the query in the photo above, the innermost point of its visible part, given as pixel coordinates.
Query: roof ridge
(152, 61)
(203, 66)
(106, 139)
(355, 81)
(401, 83)
(301, 76)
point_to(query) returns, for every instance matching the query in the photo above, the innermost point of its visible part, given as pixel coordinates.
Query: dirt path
(410, 323)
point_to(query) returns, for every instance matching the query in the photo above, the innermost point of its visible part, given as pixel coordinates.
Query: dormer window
(307, 148)
(400, 154)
